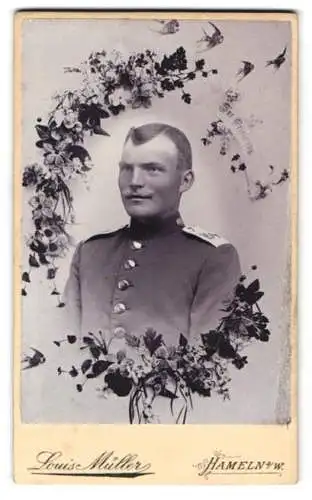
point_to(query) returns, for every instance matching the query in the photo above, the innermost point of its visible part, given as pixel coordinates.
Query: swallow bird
(168, 27)
(211, 40)
(246, 68)
(35, 360)
(278, 61)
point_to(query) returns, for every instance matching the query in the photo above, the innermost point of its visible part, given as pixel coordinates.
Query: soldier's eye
(153, 168)
(125, 167)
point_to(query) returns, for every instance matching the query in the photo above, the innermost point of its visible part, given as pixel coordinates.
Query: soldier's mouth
(136, 197)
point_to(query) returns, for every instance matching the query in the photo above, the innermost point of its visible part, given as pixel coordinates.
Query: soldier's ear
(187, 180)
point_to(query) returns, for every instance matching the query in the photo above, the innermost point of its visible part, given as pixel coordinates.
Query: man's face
(149, 180)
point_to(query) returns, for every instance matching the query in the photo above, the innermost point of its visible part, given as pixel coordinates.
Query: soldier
(154, 272)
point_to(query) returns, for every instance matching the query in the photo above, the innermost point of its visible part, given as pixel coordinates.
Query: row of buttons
(124, 284)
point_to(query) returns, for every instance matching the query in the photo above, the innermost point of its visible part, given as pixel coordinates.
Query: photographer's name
(106, 464)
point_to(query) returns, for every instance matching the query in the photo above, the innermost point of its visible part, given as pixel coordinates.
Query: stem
(179, 415)
(109, 341)
(97, 340)
(257, 306)
(247, 182)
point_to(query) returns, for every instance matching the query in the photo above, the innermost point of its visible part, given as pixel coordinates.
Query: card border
(276, 442)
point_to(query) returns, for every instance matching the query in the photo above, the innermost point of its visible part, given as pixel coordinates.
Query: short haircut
(144, 133)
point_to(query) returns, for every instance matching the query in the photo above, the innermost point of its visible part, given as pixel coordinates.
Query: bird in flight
(33, 360)
(213, 39)
(246, 68)
(168, 27)
(279, 60)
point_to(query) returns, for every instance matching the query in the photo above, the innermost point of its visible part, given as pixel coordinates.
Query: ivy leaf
(86, 365)
(80, 152)
(95, 351)
(47, 144)
(73, 372)
(182, 341)
(200, 63)
(115, 110)
(210, 339)
(251, 295)
(79, 387)
(100, 367)
(38, 247)
(179, 84)
(55, 292)
(265, 335)
(61, 304)
(43, 131)
(71, 339)
(56, 342)
(84, 168)
(51, 273)
(100, 110)
(25, 277)
(33, 261)
(118, 384)
(100, 131)
(225, 349)
(252, 331)
(240, 291)
(132, 340)
(191, 75)
(254, 286)
(167, 394)
(186, 97)
(152, 340)
(24, 293)
(254, 298)
(88, 340)
(240, 362)
(42, 259)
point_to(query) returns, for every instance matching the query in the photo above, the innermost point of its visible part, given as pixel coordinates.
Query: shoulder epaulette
(212, 238)
(105, 234)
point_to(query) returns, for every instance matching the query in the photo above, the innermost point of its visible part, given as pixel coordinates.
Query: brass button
(119, 332)
(119, 308)
(123, 284)
(136, 245)
(130, 264)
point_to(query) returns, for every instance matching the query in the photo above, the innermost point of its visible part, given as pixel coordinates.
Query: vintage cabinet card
(155, 247)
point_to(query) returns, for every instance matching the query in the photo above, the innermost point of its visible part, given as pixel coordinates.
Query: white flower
(42, 205)
(70, 118)
(118, 97)
(110, 75)
(58, 116)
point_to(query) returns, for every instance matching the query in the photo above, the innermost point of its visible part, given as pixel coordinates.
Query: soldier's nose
(137, 179)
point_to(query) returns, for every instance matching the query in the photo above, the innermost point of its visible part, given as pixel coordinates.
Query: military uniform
(167, 276)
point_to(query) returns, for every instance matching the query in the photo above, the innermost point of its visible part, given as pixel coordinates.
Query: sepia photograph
(156, 188)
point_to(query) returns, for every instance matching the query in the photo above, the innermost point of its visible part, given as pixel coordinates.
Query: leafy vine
(110, 85)
(149, 368)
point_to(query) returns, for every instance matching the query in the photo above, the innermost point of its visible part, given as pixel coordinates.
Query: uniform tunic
(162, 276)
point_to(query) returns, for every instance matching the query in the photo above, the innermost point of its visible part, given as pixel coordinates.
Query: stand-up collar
(155, 227)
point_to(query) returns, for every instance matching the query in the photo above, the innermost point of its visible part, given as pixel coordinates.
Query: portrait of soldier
(155, 272)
